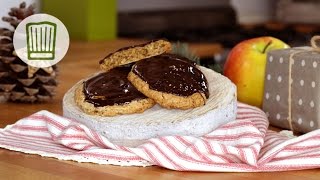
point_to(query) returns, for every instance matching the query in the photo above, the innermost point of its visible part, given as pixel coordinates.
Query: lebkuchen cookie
(170, 80)
(135, 53)
(110, 94)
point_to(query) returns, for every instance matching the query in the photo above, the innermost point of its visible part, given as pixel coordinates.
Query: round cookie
(111, 94)
(170, 80)
(135, 53)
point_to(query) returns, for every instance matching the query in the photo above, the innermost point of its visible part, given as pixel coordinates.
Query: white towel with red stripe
(244, 145)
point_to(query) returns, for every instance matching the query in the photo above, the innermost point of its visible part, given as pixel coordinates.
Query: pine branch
(183, 49)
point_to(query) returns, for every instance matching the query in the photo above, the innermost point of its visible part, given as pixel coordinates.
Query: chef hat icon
(41, 40)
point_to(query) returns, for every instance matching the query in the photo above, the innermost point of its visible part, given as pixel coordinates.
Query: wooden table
(82, 60)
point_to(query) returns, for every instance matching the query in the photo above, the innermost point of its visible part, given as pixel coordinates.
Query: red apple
(245, 66)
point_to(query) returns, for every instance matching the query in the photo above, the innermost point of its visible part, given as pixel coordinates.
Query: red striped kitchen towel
(244, 145)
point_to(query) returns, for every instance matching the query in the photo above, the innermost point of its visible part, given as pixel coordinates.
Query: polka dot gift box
(292, 88)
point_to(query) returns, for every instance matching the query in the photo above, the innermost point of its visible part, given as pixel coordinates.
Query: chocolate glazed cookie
(110, 94)
(172, 81)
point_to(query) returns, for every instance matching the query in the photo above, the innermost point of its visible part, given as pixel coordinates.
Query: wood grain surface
(82, 60)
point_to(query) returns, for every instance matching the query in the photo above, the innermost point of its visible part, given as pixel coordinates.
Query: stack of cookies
(136, 78)
(117, 102)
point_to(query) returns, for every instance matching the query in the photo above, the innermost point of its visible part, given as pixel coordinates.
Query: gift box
(292, 88)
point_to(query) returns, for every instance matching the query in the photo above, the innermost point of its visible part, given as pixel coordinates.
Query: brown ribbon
(289, 93)
(314, 43)
(316, 48)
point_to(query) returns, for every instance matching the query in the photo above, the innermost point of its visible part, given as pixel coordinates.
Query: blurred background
(222, 23)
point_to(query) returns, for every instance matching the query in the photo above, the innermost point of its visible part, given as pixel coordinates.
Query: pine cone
(18, 81)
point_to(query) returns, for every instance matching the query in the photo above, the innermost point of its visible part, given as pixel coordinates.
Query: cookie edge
(136, 106)
(167, 100)
(141, 52)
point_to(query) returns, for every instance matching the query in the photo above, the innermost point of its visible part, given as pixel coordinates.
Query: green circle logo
(41, 40)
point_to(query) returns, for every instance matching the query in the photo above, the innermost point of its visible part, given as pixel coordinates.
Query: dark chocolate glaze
(111, 88)
(172, 74)
(128, 47)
